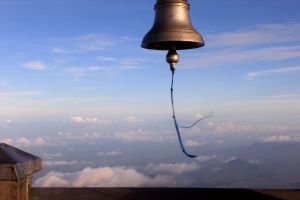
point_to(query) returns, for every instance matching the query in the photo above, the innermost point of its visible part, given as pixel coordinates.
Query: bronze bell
(172, 30)
(172, 27)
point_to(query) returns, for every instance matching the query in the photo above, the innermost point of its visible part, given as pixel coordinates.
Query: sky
(74, 74)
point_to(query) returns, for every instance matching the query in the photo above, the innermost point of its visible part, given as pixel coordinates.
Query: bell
(172, 28)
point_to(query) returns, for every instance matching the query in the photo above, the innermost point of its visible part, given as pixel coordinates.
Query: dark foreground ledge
(159, 193)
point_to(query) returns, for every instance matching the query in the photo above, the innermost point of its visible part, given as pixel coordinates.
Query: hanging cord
(172, 58)
(175, 122)
(198, 120)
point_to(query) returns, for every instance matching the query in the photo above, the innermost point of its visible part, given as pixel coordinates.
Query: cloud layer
(103, 177)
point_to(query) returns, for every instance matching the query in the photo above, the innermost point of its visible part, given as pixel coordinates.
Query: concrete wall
(15, 190)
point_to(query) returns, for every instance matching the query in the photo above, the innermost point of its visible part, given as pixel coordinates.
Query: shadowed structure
(159, 194)
(16, 169)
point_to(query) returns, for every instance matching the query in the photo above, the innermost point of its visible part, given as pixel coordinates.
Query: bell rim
(167, 39)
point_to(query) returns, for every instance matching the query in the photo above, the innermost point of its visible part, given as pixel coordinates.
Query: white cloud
(89, 120)
(49, 156)
(241, 56)
(138, 135)
(191, 143)
(109, 153)
(281, 138)
(60, 50)
(125, 63)
(262, 34)
(84, 136)
(252, 75)
(35, 65)
(52, 179)
(220, 128)
(230, 159)
(269, 43)
(80, 71)
(283, 96)
(39, 141)
(85, 43)
(94, 42)
(59, 163)
(131, 119)
(8, 122)
(203, 158)
(103, 177)
(130, 63)
(141, 135)
(23, 142)
(199, 116)
(172, 168)
(7, 141)
(104, 58)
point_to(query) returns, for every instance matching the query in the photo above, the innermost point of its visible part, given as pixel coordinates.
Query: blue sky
(88, 52)
(75, 69)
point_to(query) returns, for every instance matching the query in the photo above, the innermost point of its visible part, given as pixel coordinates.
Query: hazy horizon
(77, 90)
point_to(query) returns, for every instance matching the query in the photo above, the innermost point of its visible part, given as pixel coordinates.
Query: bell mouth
(178, 45)
(171, 40)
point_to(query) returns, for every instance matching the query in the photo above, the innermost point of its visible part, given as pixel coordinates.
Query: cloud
(81, 71)
(141, 135)
(258, 35)
(89, 120)
(103, 177)
(124, 63)
(25, 142)
(85, 43)
(64, 136)
(172, 168)
(138, 135)
(283, 96)
(130, 63)
(280, 138)
(191, 143)
(35, 65)
(60, 50)
(257, 44)
(59, 163)
(49, 156)
(39, 141)
(94, 42)
(253, 75)
(7, 141)
(104, 58)
(203, 158)
(18, 94)
(242, 56)
(52, 179)
(8, 121)
(220, 128)
(131, 119)
(109, 153)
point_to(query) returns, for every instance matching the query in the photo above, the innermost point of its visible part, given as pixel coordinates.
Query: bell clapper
(172, 58)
